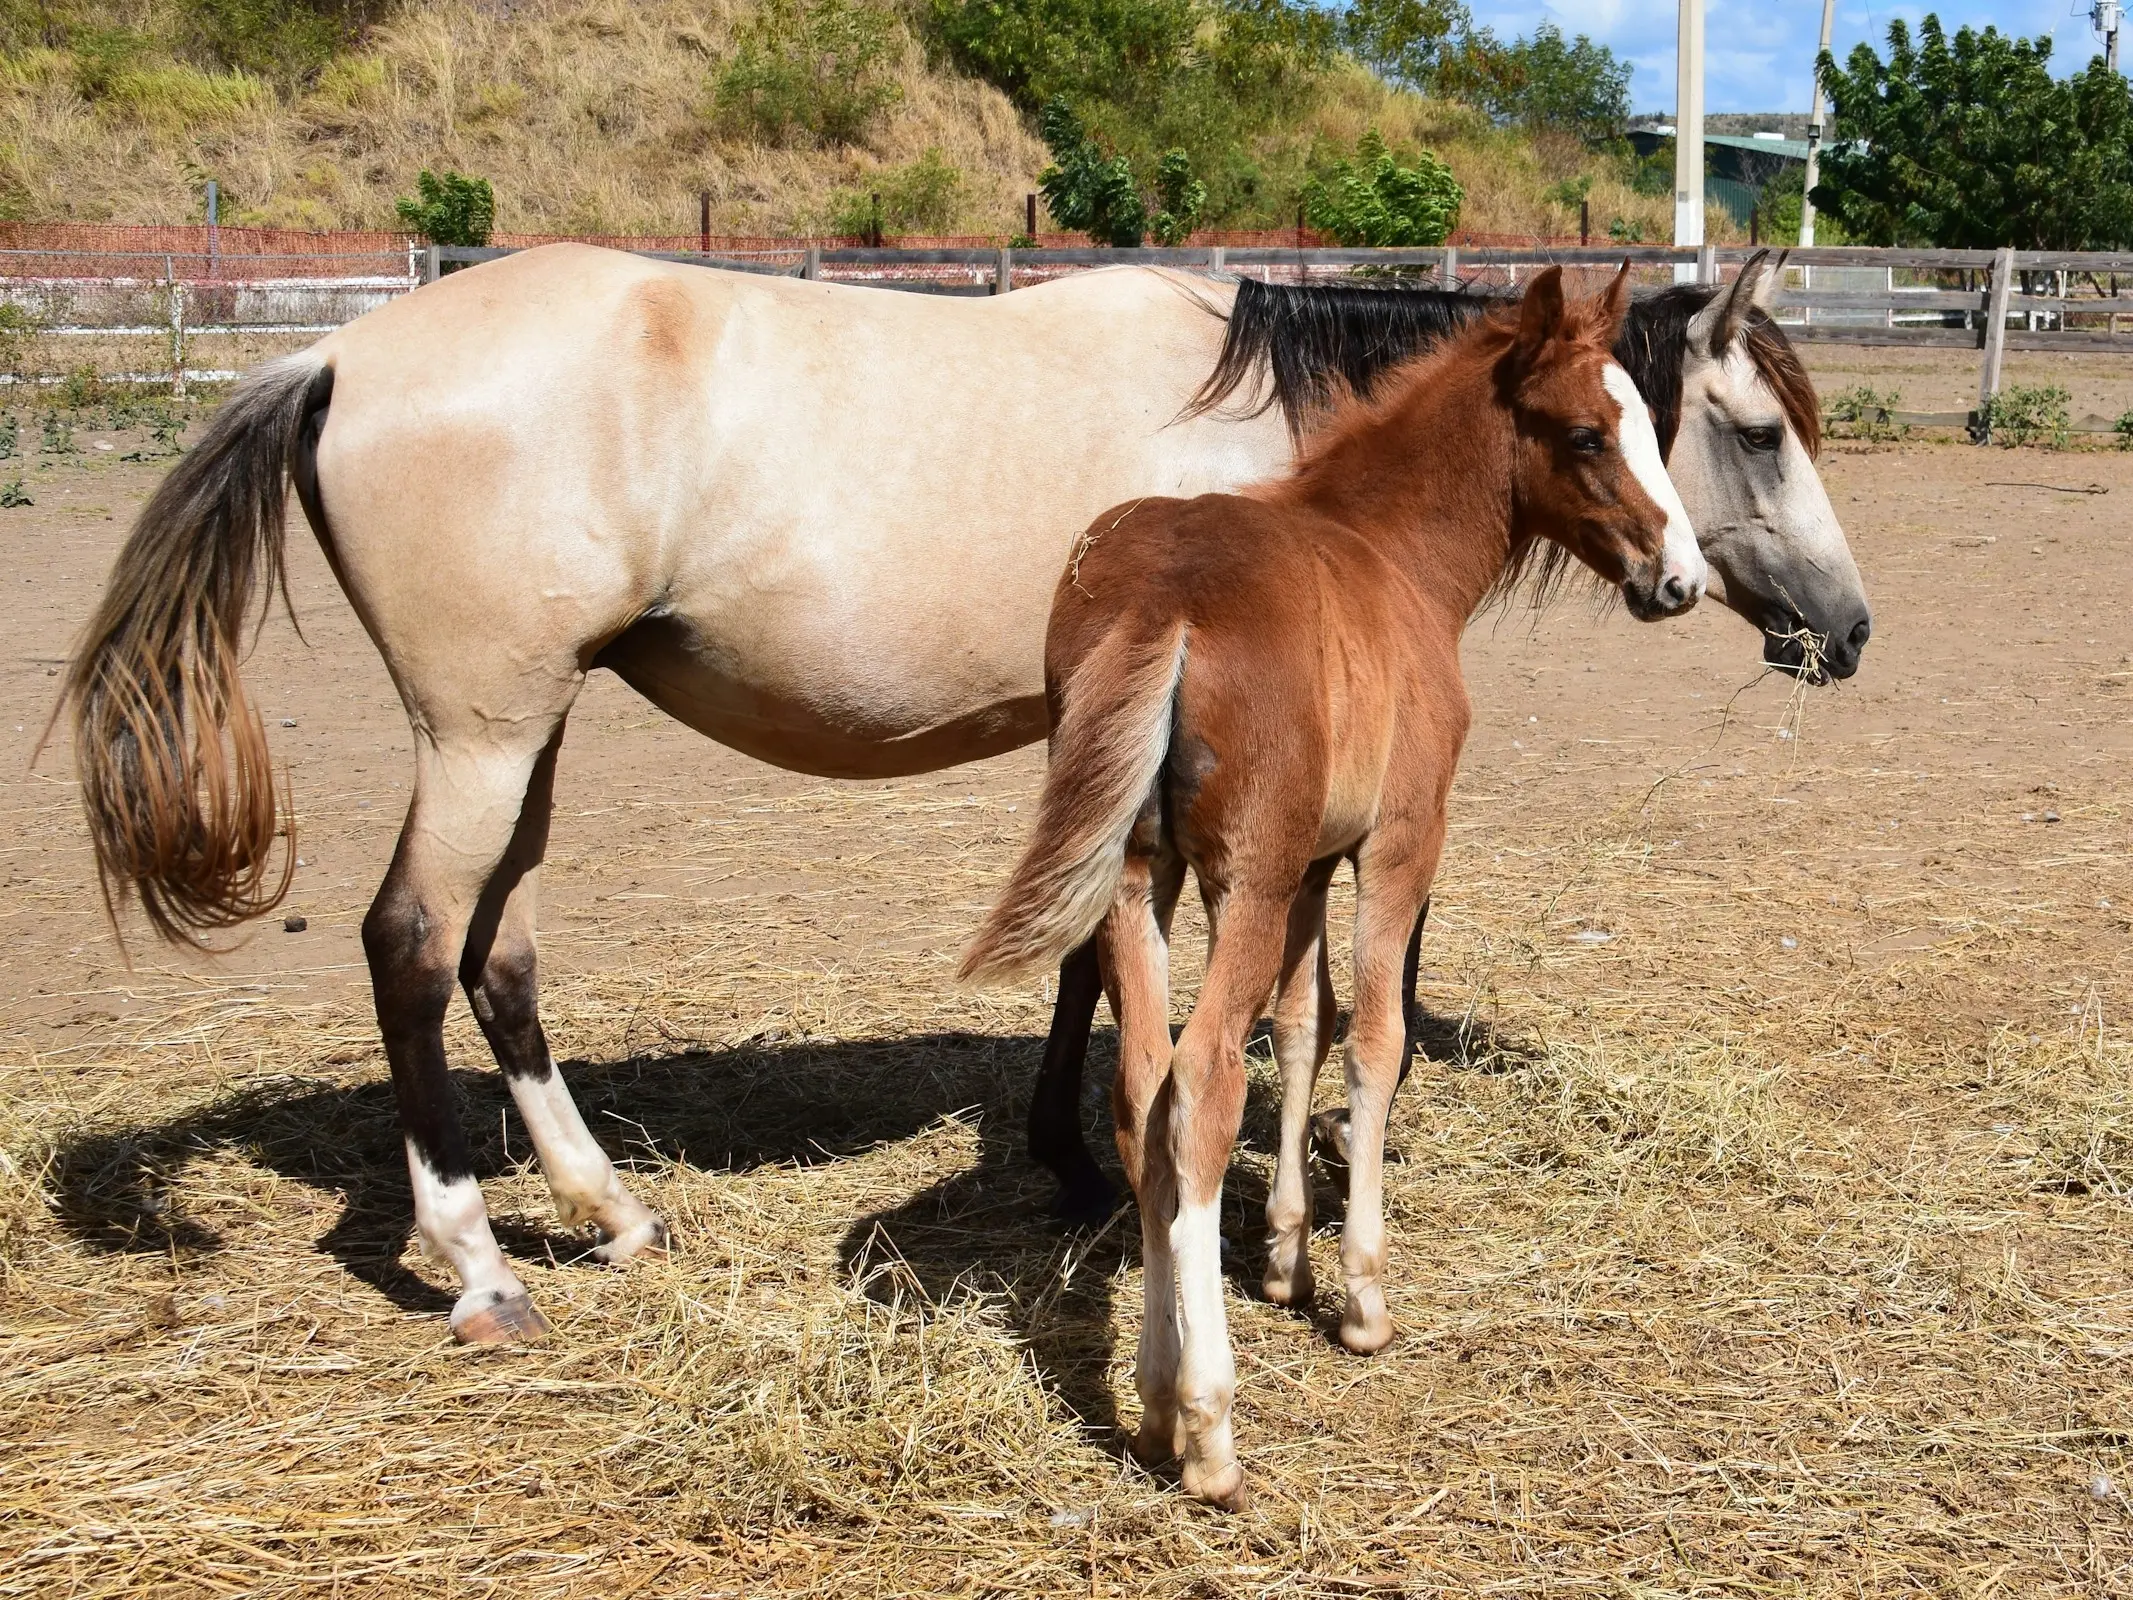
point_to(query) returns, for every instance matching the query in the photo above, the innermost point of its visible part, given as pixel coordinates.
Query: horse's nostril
(1862, 630)
(1675, 591)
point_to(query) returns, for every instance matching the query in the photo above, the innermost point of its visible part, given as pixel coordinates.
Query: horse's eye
(1762, 440)
(1587, 441)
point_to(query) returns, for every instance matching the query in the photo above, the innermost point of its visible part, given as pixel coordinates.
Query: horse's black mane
(1302, 346)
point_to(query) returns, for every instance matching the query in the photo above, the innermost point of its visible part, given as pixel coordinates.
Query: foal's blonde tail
(1107, 752)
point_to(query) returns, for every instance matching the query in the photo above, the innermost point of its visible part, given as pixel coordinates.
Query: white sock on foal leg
(1207, 1372)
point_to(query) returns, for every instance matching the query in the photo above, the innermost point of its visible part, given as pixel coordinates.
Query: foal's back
(1309, 653)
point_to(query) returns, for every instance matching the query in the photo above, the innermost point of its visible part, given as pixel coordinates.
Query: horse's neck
(1427, 478)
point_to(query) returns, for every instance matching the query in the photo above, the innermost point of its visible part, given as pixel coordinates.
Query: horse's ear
(1614, 307)
(1540, 316)
(1714, 328)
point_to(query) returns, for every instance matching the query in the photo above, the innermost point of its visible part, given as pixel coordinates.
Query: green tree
(1374, 200)
(1545, 82)
(1970, 143)
(807, 70)
(451, 208)
(1404, 41)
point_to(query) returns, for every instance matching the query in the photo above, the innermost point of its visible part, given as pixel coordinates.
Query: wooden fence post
(811, 263)
(177, 329)
(432, 264)
(1003, 272)
(1707, 263)
(1449, 272)
(703, 222)
(1988, 378)
(1217, 259)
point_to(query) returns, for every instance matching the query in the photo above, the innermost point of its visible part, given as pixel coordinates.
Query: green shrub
(13, 494)
(1861, 412)
(58, 435)
(2123, 427)
(807, 70)
(923, 196)
(286, 40)
(450, 209)
(1373, 200)
(1086, 189)
(2028, 414)
(1179, 199)
(1626, 230)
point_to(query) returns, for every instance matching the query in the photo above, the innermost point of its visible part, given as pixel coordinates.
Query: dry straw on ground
(1718, 1270)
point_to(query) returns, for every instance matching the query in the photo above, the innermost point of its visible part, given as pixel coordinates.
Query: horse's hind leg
(1055, 1137)
(459, 827)
(1303, 1033)
(497, 969)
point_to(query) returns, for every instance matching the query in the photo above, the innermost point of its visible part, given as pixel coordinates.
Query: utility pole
(1688, 133)
(2104, 17)
(1814, 133)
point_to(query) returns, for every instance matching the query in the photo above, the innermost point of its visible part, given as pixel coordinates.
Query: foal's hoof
(1329, 1136)
(647, 1237)
(512, 1321)
(1224, 1487)
(1366, 1326)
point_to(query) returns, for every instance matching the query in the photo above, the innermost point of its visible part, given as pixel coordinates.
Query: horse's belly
(850, 724)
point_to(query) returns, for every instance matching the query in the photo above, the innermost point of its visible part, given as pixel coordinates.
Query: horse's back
(817, 521)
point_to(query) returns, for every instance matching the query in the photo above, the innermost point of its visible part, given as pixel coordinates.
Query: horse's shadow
(790, 1103)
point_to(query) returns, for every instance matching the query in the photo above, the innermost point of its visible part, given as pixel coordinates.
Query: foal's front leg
(1392, 879)
(1303, 1032)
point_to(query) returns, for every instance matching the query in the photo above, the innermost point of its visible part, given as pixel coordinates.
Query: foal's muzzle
(1666, 587)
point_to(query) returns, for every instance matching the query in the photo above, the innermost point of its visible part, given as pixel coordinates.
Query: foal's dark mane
(1305, 346)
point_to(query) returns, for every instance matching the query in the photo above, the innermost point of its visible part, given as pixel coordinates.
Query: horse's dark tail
(172, 754)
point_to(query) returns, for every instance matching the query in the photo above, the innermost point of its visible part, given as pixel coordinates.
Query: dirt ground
(2097, 383)
(1763, 1230)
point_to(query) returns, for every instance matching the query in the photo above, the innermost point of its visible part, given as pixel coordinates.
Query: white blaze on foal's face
(1681, 561)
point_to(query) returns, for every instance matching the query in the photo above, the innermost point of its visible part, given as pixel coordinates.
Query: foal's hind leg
(1137, 955)
(1206, 1107)
(459, 827)
(497, 969)
(1303, 1032)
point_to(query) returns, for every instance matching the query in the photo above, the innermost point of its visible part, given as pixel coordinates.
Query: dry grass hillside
(599, 116)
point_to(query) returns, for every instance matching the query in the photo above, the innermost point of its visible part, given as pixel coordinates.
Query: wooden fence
(1980, 299)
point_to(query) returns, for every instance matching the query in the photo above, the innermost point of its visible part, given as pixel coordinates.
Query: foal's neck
(1424, 473)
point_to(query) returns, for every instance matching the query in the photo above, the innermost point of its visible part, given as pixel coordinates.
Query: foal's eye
(1587, 441)
(1762, 440)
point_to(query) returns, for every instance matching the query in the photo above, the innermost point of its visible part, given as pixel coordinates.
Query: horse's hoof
(646, 1238)
(1329, 1136)
(1290, 1289)
(513, 1321)
(1224, 1488)
(1156, 1444)
(1084, 1202)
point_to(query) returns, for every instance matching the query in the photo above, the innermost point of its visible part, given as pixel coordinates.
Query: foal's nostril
(1674, 592)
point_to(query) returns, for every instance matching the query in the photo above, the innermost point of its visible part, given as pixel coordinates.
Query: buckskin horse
(1258, 686)
(816, 522)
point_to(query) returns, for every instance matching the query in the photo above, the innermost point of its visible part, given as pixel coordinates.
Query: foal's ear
(1540, 316)
(1714, 328)
(1614, 308)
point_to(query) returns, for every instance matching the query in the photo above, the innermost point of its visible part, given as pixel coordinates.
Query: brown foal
(1258, 686)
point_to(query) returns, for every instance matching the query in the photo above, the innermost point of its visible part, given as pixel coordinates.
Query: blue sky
(1759, 54)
